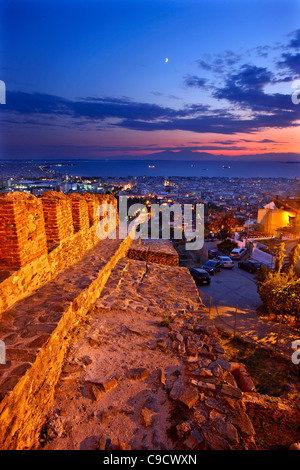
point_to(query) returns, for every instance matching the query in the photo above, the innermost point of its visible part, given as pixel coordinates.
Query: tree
(267, 289)
(288, 299)
(223, 223)
(293, 257)
(279, 257)
(280, 296)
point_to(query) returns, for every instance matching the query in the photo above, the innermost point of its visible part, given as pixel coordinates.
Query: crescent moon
(166, 60)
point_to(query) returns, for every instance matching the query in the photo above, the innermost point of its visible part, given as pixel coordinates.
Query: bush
(280, 295)
(261, 274)
(288, 297)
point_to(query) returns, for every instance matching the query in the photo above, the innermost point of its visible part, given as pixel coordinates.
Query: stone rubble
(162, 378)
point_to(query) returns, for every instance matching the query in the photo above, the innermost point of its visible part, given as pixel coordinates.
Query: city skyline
(126, 78)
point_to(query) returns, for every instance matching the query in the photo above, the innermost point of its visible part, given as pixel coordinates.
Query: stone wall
(37, 332)
(39, 237)
(154, 251)
(22, 230)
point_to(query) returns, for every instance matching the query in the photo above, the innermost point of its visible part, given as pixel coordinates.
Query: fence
(275, 337)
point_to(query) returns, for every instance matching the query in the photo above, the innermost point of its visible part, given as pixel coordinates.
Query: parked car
(249, 265)
(200, 276)
(212, 254)
(238, 253)
(212, 266)
(226, 262)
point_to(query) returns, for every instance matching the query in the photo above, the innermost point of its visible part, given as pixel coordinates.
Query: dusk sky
(90, 79)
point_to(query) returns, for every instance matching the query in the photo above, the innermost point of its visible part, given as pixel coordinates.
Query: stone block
(22, 229)
(138, 373)
(57, 209)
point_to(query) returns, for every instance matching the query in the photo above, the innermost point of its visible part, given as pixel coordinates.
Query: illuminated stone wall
(39, 237)
(44, 301)
(38, 331)
(154, 251)
(22, 229)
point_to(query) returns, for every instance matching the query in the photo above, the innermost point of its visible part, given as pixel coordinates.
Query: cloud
(202, 64)
(262, 51)
(192, 81)
(219, 62)
(103, 108)
(290, 58)
(295, 41)
(144, 148)
(174, 97)
(91, 108)
(213, 124)
(250, 110)
(251, 76)
(290, 61)
(225, 62)
(35, 103)
(246, 89)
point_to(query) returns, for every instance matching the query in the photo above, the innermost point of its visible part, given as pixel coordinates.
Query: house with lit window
(280, 219)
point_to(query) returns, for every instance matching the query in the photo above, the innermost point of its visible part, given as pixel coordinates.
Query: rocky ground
(147, 371)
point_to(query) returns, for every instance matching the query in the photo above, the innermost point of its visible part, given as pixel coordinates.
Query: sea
(168, 168)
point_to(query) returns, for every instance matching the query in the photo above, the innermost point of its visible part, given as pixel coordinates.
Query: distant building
(279, 218)
(64, 187)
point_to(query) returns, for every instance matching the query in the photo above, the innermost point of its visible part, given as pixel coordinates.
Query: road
(235, 287)
(230, 287)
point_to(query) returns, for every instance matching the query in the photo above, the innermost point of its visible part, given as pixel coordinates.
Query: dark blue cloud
(251, 76)
(193, 81)
(153, 148)
(246, 89)
(202, 64)
(290, 58)
(243, 90)
(35, 103)
(92, 108)
(219, 62)
(214, 124)
(295, 41)
(290, 61)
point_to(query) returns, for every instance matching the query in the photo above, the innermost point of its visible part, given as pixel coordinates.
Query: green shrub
(280, 295)
(288, 298)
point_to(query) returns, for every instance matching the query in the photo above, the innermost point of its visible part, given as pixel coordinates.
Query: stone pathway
(132, 382)
(28, 324)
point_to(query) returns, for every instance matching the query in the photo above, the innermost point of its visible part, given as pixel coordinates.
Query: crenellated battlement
(40, 236)
(22, 229)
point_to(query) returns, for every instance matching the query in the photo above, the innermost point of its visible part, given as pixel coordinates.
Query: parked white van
(238, 253)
